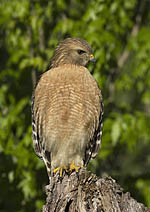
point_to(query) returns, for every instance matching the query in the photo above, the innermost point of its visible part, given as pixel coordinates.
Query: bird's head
(72, 51)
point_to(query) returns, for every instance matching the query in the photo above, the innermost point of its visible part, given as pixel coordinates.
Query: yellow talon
(60, 169)
(57, 169)
(73, 167)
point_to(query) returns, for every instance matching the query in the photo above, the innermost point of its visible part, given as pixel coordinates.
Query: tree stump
(85, 192)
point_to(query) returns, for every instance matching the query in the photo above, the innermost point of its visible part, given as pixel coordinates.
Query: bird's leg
(60, 169)
(74, 167)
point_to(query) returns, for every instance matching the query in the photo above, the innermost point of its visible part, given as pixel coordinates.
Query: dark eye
(80, 51)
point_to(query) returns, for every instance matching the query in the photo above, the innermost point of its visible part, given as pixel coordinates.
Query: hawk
(67, 110)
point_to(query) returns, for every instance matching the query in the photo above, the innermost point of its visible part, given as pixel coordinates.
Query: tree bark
(85, 192)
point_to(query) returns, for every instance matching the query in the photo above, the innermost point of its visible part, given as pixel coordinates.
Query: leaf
(116, 131)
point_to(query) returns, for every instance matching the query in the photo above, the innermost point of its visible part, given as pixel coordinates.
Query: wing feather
(95, 143)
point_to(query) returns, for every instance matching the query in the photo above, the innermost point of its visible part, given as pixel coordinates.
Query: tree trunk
(85, 192)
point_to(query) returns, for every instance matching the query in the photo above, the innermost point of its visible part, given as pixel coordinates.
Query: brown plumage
(67, 110)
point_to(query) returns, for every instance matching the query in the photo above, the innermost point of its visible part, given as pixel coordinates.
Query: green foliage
(29, 32)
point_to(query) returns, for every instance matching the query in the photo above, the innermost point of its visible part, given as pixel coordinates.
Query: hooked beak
(92, 59)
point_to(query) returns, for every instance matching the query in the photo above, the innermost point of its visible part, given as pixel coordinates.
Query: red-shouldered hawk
(67, 110)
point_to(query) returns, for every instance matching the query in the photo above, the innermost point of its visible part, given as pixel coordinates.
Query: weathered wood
(85, 192)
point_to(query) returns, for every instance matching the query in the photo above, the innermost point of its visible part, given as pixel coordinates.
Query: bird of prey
(67, 110)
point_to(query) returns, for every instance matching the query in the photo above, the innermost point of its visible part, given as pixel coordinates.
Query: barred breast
(67, 115)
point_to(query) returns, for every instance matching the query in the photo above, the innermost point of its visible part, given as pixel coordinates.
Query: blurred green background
(119, 33)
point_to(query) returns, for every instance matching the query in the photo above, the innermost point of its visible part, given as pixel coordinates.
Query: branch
(138, 19)
(86, 192)
(125, 55)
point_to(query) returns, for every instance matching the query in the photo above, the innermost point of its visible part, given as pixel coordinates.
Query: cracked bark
(86, 192)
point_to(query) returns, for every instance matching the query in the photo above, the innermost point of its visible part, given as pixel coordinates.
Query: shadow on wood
(85, 192)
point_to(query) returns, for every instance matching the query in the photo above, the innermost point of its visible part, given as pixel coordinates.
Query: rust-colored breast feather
(67, 115)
